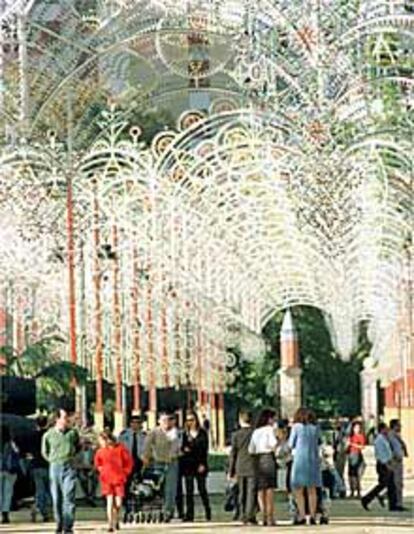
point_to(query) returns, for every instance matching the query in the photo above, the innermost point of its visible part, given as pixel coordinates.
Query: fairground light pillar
(290, 371)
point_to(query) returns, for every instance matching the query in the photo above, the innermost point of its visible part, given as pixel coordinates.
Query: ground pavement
(347, 517)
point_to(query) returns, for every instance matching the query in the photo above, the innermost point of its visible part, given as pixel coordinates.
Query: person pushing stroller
(162, 449)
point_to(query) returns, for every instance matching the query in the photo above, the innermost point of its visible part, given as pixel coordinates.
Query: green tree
(331, 386)
(42, 362)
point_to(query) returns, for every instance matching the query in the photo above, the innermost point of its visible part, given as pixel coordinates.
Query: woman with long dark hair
(263, 446)
(304, 441)
(194, 464)
(356, 444)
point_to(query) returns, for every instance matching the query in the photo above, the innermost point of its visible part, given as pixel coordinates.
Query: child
(114, 463)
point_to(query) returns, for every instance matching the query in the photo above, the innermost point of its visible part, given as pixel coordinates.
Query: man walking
(384, 456)
(60, 445)
(399, 451)
(242, 467)
(162, 448)
(133, 438)
(40, 472)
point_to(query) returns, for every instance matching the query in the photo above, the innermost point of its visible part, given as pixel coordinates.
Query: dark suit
(242, 467)
(195, 454)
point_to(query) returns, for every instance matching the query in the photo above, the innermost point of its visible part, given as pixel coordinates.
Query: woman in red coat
(113, 463)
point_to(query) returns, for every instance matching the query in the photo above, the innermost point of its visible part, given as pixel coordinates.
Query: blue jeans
(170, 490)
(170, 485)
(7, 481)
(42, 488)
(63, 489)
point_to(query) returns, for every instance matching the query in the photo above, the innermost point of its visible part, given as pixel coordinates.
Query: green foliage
(41, 361)
(331, 386)
(218, 462)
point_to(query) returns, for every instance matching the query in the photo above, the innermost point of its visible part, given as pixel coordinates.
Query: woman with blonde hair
(306, 472)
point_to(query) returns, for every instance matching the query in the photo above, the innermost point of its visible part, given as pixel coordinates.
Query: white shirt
(263, 440)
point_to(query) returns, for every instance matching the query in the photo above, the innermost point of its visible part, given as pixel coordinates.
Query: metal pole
(71, 272)
(135, 334)
(117, 333)
(98, 316)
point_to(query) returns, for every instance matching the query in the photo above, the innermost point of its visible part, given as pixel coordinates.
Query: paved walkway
(347, 517)
(337, 526)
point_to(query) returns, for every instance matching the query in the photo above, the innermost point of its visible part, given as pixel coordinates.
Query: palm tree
(41, 361)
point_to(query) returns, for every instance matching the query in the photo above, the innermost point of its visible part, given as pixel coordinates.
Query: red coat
(114, 464)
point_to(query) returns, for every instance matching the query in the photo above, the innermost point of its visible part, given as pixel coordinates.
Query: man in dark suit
(242, 468)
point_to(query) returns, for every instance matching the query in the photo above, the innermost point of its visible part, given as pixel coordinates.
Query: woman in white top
(262, 446)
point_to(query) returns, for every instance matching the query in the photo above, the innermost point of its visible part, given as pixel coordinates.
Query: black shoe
(312, 521)
(208, 514)
(381, 500)
(324, 520)
(364, 505)
(5, 519)
(298, 522)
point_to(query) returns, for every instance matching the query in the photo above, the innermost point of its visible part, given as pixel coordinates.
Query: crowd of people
(296, 451)
(265, 454)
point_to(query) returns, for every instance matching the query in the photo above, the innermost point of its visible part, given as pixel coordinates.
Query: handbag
(231, 496)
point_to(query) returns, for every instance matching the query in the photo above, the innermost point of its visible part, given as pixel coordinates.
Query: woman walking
(356, 444)
(113, 463)
(194, 464)
(263, 446)
(306, 473)
(9, 468)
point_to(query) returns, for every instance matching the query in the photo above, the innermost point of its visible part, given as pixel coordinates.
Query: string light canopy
(285, 177)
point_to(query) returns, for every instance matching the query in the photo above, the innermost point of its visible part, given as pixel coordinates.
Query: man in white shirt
(384, 456)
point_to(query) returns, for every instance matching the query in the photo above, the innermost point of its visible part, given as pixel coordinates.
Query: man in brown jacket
(242, 468)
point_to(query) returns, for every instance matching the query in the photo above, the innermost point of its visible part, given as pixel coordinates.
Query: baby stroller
(146, 497)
